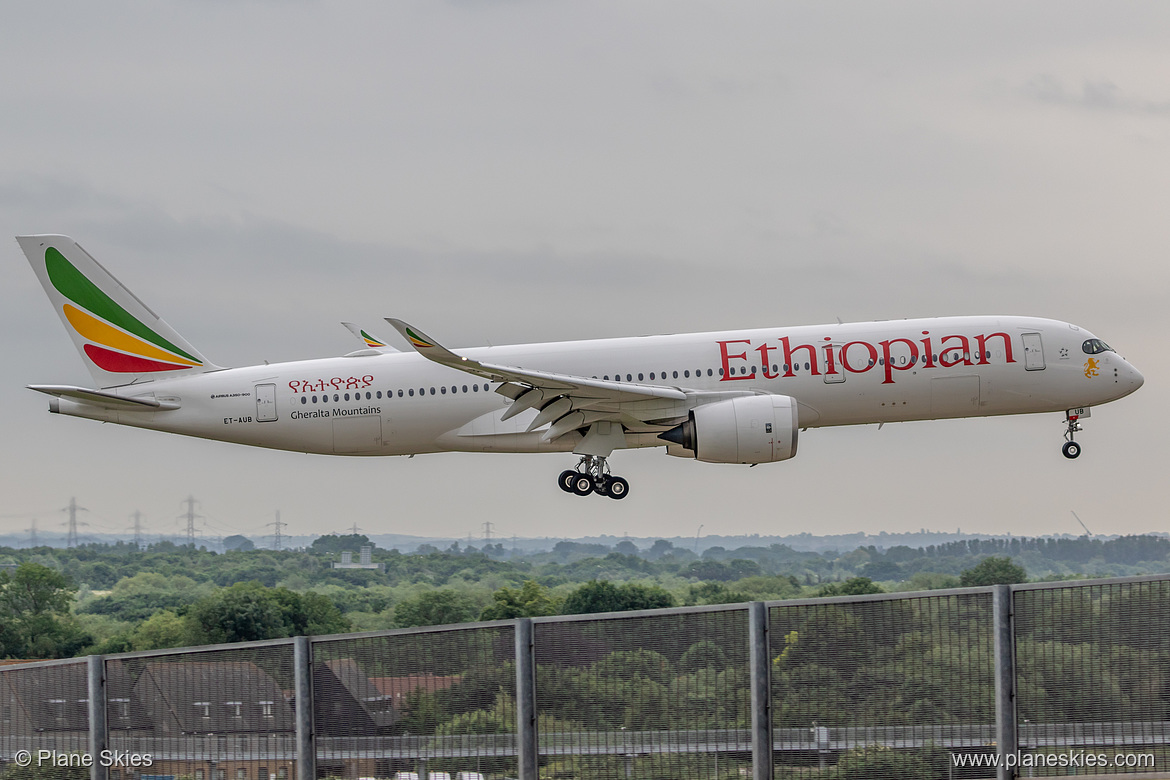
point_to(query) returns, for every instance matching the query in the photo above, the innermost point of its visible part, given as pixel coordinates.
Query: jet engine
(746, 429)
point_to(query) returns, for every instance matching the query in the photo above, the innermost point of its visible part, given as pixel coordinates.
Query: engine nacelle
(747, 429)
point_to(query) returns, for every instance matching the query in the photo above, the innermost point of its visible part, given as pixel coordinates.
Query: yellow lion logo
(1091, 366)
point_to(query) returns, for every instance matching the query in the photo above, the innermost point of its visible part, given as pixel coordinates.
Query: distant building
(366, 556)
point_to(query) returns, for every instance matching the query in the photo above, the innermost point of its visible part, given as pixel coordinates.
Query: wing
(568, 402)
(565, 402)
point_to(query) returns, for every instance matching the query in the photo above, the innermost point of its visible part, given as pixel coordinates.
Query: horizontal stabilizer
(106, 400)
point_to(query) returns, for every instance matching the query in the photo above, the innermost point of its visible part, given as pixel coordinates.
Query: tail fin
(120, 339)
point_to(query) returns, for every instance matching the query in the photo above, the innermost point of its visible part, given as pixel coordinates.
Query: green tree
(249, 611)
(603, 596)
(703, 654)
(714, 593)
(530, 600)
(335, 543)
(242, 613)
(436, 608)
(35, 621)
(993, 571)
(854, 586)
(161, 630)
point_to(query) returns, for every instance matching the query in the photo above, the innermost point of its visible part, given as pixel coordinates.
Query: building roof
(214, 697)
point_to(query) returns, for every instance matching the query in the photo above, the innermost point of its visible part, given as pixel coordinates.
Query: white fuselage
(400, 403)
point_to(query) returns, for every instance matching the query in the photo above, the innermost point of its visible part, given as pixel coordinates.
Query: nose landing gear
(592, 476)
(1071, 449)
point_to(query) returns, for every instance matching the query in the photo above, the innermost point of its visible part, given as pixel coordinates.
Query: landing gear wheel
(592, 476)
(1071, 449)
(582, 484)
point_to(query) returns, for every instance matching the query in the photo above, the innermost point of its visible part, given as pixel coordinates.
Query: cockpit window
(1095, 346)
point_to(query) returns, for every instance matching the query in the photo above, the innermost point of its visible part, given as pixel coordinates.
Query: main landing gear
(592, 476)
(1071, 449)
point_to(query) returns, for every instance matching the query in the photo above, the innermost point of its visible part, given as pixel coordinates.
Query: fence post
(527, 754)
(99, 734)
(303, 691)
(1006, 743)
(761, 685)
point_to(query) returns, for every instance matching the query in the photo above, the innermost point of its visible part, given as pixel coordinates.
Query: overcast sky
(518, 171)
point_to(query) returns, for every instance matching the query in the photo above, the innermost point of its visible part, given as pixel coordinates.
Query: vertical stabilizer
(121, 341)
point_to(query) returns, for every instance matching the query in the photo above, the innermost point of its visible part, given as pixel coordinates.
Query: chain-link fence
(884, 686)
(939, 684)
(1093, 671)
(658, 694)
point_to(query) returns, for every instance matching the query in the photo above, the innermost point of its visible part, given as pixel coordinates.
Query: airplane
(735, 396)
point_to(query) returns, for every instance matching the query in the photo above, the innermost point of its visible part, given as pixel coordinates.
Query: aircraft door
(265, 403)
(1033, 351)
(831, 364)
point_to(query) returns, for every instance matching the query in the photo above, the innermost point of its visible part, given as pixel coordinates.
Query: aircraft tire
(1071, 449)
(565, 480)
(582, 484)
(618, 488)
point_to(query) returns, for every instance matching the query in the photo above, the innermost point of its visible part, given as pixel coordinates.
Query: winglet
(369, 341)
(424, 344)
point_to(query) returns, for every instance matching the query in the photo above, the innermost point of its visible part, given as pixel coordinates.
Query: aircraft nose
(1135, 377)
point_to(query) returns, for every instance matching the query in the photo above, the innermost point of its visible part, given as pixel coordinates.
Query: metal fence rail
(886, 686)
